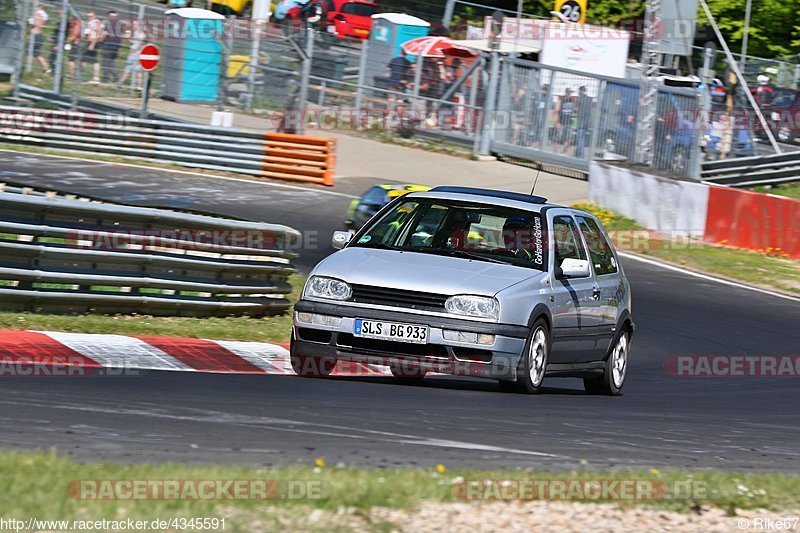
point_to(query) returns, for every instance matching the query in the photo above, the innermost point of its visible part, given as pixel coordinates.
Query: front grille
(397, 298)
(348, 341)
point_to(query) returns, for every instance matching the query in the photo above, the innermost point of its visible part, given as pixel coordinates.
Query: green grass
(792, 190)
(36, 484)
(269, 329)
(763, 269)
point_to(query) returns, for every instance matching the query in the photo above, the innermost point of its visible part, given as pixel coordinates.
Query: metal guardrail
(61, 255)
(749, 171)
(191, 145)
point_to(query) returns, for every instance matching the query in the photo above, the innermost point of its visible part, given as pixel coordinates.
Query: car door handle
(596, 293)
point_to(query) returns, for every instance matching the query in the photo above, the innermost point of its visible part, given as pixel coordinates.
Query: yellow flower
(319, 462)
(654, 471)
(440, 469)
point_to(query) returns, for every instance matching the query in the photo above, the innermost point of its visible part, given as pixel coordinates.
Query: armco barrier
(755, 221)
(279, 156)
(716, 214)
(757, 170)
(60, 255)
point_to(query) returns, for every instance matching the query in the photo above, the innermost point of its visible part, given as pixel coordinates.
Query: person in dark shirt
(398, 76)
(112, 30)
(584, 111)
(564, 116)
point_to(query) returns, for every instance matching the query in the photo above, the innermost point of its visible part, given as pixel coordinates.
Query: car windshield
(354, 8)
(459, 229)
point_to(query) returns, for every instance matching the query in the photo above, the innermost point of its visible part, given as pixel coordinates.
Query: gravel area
(562, 516)
(515, 516)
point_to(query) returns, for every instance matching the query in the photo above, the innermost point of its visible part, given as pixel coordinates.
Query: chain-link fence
(541, 113)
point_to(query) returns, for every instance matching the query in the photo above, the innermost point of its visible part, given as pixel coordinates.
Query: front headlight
(328, 288)
(477, 306)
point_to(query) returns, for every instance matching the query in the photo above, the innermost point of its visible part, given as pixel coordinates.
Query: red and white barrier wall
(716, 214)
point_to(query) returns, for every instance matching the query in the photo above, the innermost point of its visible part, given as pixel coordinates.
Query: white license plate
(391, 331)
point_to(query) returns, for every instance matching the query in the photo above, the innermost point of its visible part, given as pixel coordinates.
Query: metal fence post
(58, 68)
(254, 48)
(362, 75)
(23, 23)
(304, 79)
(545, 125)
(598, 110)
(31, 38)
(487, 128)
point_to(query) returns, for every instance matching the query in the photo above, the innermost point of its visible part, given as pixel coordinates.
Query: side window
(428, 226)
(599, 249)
(390, 228)
(376, 196)
(568, 243)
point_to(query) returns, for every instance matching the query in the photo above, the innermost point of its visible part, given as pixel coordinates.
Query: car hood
(421, 272)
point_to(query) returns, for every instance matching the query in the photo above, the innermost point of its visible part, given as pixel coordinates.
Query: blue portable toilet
(389, 32)
(192, 55)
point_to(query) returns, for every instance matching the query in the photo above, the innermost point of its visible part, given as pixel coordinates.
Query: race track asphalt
(660, 421)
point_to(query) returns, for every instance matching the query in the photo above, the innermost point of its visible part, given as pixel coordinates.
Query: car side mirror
(341, 238)
(572, 268)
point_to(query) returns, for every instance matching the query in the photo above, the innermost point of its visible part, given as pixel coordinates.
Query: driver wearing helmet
(518, 235)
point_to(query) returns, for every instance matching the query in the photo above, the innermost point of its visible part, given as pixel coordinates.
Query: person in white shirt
(39, 21)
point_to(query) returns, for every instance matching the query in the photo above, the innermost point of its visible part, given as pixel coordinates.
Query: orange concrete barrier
(299, 157)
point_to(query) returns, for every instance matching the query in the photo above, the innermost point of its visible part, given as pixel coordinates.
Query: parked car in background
(473, 282)
(349, 18)
(741, 137)
(362, 209)
(238, 8)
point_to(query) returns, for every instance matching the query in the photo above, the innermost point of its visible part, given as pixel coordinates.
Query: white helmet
(762, 79)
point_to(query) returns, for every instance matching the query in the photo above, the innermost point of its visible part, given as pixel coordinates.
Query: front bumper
(498, 360)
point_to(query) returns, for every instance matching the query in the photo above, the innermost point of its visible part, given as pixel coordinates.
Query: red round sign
(149, 57)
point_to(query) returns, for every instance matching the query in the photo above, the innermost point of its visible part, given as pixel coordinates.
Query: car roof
(489, 196)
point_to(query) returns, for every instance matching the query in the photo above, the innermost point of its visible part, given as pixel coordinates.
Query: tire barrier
(270, 155)
(716, 214)
(60, 255)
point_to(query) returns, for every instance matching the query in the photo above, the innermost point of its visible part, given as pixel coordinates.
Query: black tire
(610, 383)
(525, 383)
(405, 373)
(310, 366)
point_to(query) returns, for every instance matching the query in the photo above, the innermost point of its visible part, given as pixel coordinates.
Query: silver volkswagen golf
(470, 282)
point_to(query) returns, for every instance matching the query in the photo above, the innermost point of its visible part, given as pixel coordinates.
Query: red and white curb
(141, 352)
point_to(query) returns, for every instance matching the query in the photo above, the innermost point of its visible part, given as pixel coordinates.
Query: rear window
(353, 8)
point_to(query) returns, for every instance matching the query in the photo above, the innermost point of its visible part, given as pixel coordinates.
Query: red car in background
(349, 18)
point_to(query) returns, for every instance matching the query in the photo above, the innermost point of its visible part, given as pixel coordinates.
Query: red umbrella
(434, 46)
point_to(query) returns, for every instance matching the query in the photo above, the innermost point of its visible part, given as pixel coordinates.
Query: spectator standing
(39, 22)
(112, 39)
(94, 40)
(398, 76)
(584, 111)
(72, 44)
(564, 116)
(764, 93)
(132, 66)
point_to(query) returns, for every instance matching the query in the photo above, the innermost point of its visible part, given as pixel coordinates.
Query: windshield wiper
(469, 255)
(379, 245)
